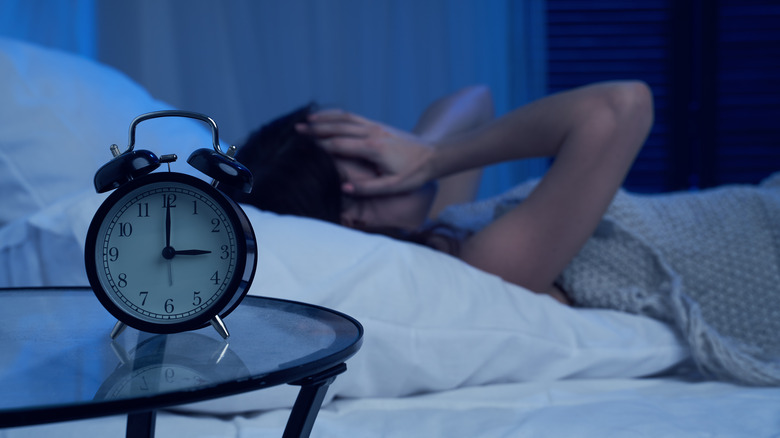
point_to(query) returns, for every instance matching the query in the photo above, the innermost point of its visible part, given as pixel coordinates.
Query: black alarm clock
(167, 252)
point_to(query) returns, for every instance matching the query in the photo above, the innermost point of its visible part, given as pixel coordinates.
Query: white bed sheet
(639, 408)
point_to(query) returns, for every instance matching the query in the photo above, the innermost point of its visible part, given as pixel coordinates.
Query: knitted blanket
(707, 262)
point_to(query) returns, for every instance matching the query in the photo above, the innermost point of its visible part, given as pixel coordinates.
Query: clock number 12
(169, 200)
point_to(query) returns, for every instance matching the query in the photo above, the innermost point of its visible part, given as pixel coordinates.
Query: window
(714, 69)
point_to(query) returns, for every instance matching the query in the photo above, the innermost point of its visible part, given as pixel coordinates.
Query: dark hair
(292, 174)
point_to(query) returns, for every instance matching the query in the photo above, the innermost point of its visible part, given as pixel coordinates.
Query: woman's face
(407, 210)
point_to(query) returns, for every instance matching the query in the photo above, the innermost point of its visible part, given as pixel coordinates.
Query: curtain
(66, 25)
(244, 62)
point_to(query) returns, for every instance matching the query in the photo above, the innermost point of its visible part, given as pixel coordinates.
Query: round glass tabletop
(59, 362)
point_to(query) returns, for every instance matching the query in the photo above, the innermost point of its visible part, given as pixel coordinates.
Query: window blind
(713, 65)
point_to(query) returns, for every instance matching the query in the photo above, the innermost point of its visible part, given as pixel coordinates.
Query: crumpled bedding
(706, 262)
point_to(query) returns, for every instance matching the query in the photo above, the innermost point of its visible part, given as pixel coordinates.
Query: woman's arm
(594, 133)
(451, 115)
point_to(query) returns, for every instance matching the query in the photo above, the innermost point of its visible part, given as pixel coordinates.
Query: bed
(448, 350)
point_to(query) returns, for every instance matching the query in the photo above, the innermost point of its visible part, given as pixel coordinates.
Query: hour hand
(191, 252)
(167, 223)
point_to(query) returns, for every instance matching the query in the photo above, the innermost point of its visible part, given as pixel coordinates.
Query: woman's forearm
(465, 110)
(538, 129)
(555, 126)
(594, 133)
(456, 113)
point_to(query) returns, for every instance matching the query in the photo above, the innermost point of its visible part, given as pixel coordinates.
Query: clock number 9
(113, 254)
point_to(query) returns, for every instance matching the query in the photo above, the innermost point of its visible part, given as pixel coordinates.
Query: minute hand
(191, 252)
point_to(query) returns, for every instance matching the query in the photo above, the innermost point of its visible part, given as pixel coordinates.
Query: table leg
(309, 401)
(141, 424)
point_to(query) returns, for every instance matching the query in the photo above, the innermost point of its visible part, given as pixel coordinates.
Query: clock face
(168, 251)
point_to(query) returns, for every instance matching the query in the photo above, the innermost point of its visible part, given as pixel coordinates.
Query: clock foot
(220, 327)
(120, 353)
(118, 329)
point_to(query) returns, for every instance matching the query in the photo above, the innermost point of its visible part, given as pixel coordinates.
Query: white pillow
(433, 322)
(59, 114)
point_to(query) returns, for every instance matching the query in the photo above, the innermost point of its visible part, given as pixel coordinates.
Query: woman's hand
(402, 160)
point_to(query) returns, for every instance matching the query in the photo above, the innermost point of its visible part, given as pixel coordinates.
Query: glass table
(59, 362)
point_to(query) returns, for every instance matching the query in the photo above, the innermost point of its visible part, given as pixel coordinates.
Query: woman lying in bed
(704, 262)
(594, 132)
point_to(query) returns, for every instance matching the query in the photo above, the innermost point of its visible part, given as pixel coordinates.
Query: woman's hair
(293, 175)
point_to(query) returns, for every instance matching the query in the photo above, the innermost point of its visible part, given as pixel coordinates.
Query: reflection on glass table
(170, 363)
(60, 364)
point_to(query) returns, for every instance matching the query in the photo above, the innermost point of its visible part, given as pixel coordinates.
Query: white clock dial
(167, 252)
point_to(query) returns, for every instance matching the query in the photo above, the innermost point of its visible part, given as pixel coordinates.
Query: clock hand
(191, 252)
(167, 223)
(169, 252)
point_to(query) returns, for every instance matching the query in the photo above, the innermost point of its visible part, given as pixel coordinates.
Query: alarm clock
(167, 252)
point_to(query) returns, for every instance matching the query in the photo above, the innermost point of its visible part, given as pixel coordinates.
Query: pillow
(59, 114)
(434, 323)
(431, 322)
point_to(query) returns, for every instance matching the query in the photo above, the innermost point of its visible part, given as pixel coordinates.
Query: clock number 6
(169, 305)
